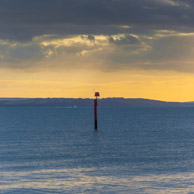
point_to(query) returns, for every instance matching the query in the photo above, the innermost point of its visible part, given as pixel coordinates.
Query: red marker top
(97, 94)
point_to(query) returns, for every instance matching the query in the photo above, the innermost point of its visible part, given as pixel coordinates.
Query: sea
(134, 150)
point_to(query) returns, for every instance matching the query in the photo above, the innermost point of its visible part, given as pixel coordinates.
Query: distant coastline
(80, 102)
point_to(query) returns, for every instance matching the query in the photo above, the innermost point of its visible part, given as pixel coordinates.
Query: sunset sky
(121, 48)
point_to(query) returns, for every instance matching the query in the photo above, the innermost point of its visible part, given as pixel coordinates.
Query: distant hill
(69, 102)
(12, 99)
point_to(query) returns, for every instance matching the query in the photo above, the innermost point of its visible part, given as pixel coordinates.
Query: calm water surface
(136, 150)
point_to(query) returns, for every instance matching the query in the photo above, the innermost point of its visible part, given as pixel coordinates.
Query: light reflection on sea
(85, 180)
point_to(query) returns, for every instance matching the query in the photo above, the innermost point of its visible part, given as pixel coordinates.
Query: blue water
(135, 150)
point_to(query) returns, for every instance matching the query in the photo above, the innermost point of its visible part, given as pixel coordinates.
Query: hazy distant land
(78, 102)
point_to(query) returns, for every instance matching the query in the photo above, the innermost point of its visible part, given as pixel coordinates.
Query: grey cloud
(24, 19)
(167, 53)
(31, 54)
(91, 38)
(88, 37)
(16, 53)
(171, 48)
(127, 39)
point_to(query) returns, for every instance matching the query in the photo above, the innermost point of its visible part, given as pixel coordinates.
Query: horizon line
(93, 98)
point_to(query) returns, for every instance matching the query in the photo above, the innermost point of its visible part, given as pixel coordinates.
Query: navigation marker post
(97, 94)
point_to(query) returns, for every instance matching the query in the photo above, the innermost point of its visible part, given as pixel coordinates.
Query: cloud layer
(105, 34)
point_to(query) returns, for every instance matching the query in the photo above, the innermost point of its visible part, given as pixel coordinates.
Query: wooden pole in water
(97, 94)
(95, 114)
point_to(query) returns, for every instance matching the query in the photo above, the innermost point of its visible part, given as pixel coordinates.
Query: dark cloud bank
(23, 19)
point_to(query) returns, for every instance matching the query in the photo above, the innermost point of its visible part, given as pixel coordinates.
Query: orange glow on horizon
(128, 84)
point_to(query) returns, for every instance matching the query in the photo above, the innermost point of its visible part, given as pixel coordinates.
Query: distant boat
(70, 106)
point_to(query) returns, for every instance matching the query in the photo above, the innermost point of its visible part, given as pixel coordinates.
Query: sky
(121, 48)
